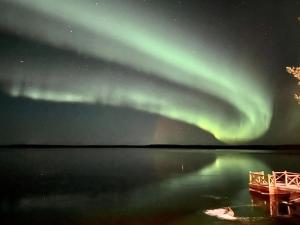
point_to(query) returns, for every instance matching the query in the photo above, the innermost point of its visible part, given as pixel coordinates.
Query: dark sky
(149, 72)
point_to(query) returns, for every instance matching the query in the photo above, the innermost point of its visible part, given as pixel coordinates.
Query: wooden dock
(279, 191)
(276, 183)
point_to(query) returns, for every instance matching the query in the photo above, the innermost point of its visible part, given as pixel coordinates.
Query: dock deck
(275, 183)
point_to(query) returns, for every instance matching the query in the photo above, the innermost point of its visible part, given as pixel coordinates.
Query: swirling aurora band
(121, 34)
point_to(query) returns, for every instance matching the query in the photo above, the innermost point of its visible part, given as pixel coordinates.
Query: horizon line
(163, 146)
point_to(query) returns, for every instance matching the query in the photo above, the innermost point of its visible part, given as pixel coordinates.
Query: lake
(135, 186)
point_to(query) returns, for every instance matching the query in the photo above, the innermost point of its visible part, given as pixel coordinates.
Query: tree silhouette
(295, 71)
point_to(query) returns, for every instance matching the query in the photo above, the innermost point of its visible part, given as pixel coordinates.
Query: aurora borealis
(142, 112)
(136, 58)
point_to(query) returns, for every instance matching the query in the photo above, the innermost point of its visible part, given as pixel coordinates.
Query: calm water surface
(134, 186)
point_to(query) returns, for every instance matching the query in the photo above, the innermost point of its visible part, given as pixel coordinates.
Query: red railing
(257, 178)
(285, 178)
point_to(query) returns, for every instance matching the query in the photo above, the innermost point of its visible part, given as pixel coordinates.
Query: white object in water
(222, 213)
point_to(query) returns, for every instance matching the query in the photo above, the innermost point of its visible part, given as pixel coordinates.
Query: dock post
(274, 177)
(273, 205)
(285, 178)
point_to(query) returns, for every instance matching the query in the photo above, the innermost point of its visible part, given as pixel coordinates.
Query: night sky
(149, 72)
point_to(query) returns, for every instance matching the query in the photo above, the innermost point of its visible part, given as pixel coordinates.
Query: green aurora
(146, 42)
